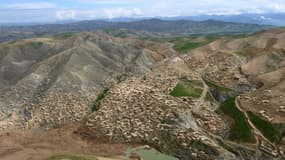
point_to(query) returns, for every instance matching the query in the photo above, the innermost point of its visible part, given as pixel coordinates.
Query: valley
(96, 95)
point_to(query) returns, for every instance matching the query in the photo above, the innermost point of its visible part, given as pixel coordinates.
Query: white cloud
(218, 7)
(37, 5)
(65, 14)
(97, 13)
(110, 1)
(95, 9)
(121, 12)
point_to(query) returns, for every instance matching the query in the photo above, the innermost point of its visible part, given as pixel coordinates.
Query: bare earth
(26, 145)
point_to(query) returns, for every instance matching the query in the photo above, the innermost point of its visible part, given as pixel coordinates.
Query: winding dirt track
(255, 130)
(257, 134)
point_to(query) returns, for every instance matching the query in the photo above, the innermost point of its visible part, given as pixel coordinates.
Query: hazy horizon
(39, 11)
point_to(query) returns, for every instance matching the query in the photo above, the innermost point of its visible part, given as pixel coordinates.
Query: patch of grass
(69, 157)
(218, 87)
(209, 97)
(240, 53)
(267, 129)
(184, 47)
(63, 35)
(101, 96)
(186, 88)
(120, 34)
(211, 38)
(36, 44)
(240, 131)
(238, 36)
(12, 42)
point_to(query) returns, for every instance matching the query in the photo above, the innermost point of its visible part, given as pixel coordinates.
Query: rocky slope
(262, 58)
(49, 81)
(141, 109)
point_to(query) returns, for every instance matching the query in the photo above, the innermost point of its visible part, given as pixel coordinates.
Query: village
(141, 109)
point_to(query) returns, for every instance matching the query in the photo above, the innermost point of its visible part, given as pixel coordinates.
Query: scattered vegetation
(187, 45)
(120, 34)
(238, 36)
(267, 129)
(218, 87)
(63, 35)
(120, 78)
(36, 44)
(240, 53)
(101, 96)
(184, 47)
(209, 97)
(211, 37)
(187, 88)
(13, 42)
(240, 131)
(69, 157)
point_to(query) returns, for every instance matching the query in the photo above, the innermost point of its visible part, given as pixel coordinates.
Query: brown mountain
(63, 76)
(224, 100)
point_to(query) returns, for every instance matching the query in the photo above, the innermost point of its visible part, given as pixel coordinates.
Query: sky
(27, 11)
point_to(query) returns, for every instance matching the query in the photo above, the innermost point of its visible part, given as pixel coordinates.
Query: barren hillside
(61, 77)
(143, 110)
(223, 100)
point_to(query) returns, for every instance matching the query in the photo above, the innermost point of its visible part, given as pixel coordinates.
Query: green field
(63, 35)
(240, 131)
(187, 45)
(184, 47)
(238, 36)
(211, 37)
(36, 44)
(267, 129)
(186, 88)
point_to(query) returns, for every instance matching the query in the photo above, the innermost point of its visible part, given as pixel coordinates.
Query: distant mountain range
(171, 27)
(275, 19)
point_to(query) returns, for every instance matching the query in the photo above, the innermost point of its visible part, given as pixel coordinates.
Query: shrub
(100, 96)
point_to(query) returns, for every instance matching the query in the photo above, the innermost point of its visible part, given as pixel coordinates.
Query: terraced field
(240, 130)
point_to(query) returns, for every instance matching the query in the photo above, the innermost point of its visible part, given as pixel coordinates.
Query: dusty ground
(38, 145)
